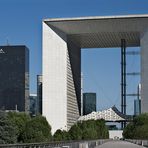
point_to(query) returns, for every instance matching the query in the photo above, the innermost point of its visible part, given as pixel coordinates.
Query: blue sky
(21, 23)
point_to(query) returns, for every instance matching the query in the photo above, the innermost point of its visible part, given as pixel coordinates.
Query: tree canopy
(138, 129)
(16, 127)
(60, 135)
(37, 130)
(91, 129)
(8, 130)
(20, 120)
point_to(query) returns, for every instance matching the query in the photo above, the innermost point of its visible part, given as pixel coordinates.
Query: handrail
(139, 142)
(68, 144)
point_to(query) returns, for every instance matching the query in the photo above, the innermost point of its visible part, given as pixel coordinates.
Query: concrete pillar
(54, 78)
(61, 79)
(144, 71)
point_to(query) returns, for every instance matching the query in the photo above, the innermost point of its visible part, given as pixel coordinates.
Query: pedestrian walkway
(119, 144)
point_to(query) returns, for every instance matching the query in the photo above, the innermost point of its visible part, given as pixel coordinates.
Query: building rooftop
(101, 31)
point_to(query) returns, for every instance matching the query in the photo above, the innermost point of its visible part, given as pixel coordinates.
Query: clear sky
(21, 23)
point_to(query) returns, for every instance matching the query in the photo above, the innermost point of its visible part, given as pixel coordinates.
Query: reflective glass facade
(14, 78)
(137, 107)
(33, 101)
(89, 103)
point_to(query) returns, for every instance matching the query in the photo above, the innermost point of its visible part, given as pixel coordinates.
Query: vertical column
(124, 75)
(54, 78)
(123, 79)
(144, 71)
(81, 94)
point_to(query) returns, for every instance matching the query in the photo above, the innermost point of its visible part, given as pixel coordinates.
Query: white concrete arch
(62, 41)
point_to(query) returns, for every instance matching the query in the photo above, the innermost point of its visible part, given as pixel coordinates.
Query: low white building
(115, 134)
(112, 114)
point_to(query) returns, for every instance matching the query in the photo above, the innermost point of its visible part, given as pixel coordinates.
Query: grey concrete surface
(119, 144)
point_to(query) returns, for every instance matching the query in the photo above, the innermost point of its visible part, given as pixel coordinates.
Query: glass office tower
(39, 94)
(33, 102)
(137, 107)
(89, 103)
(14, 78)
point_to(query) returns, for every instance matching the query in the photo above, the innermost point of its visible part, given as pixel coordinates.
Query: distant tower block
(14, 78)
(33, 102)
(39, 94)
(89, 103)
(62, 43)
(137, 102)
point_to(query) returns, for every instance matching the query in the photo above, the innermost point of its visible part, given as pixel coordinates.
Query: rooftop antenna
(7, 41)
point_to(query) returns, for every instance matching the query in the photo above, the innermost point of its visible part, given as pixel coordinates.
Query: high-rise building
(33, 102)
(39, 94)
(137, 107)
(137, 102)
(89, 103)
(14, 78)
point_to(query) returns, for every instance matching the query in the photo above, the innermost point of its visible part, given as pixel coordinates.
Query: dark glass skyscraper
(14, 78)
(137, 107)
(33, 102)
(39, 94)
(89, 103)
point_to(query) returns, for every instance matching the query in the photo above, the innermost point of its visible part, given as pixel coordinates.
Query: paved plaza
(119, 144)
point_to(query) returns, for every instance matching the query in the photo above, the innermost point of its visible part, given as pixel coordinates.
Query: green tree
(8, 130)
(60, 135)
(66, 135)
(141, 119)
(138, 129)
(75, 132)
(91, 129)
(88, 129)
(37, 130)
(102, 130)
(128, 132)
(20, 120)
